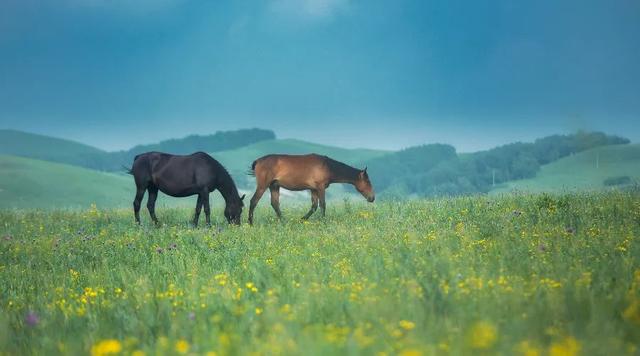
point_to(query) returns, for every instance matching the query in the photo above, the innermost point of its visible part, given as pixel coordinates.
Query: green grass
(580, 172)
(30, 183)
(478, 275)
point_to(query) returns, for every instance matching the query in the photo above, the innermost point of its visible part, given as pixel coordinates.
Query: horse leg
(323, 205)
(137, 201)
(207, 209)
(198, 208)
(314, 204)
(275, 199)
(151, 203)
(254, 201)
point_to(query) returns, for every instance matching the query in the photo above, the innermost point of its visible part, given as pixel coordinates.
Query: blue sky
(380, 74)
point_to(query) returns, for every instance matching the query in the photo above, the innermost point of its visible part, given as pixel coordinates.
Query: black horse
(182, 176)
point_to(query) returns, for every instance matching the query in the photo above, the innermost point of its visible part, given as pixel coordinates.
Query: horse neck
(342, 173)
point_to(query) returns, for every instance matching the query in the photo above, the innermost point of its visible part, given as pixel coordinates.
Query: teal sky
(379, 74)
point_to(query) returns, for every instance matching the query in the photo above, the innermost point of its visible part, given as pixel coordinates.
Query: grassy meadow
(515, 274)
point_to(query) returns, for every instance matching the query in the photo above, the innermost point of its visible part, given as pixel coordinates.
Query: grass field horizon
(516, 274)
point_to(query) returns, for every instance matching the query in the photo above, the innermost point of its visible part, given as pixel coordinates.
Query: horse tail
(252, 170)
(130, 170)
(127, 169)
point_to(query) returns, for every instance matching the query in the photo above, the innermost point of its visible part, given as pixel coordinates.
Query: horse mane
(227, 184)
(341, 170)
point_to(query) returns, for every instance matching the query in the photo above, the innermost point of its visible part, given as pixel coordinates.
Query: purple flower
(159, 250)
(7, 237)
(32, 319)
(173, 246)
(192, 316)
(542, 247)
(517, 213)
(570, 230)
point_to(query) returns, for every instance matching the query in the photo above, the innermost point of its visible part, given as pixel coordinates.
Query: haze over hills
(46, 148)
(424, 171)
(594, 169)
(30, 183)
(23, 144)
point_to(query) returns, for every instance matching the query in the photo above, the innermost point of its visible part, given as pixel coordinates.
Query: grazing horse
(182, 176)
(304, 172)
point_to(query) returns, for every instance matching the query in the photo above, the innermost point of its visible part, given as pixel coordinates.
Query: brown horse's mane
(341, 171)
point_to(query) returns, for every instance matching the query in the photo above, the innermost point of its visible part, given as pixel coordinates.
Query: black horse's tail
(252, 171)
(130, 170)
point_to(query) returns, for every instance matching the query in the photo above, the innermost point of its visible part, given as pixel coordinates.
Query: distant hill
(436, 169)
(219, 141)
(23, 144)
(586, 170)
(579, 161)
(29, 183)
(241, 158)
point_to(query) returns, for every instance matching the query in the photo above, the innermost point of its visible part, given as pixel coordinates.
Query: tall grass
(510, 274)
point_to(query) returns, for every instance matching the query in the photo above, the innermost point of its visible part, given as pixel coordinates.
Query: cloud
(308, 10)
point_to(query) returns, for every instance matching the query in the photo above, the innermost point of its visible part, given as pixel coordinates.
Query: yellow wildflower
(406, 324)
(106, 347)
(567, 347)
(410, 352)
(483, 335)
(182, 346)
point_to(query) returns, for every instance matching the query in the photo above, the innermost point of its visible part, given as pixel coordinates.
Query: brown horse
(304, 172)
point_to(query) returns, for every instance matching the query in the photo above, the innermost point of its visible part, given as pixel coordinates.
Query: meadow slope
(582, 171)
(29, 183)
(517, 274)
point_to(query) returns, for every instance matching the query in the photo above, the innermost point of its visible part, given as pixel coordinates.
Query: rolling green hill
(30, 183)
(24, 144)
(582, 171)
(46, 148)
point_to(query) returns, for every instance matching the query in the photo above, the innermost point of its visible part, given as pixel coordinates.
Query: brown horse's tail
(252, 171)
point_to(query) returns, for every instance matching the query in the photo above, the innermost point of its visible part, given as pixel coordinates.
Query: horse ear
(365, 170)
(242, 198)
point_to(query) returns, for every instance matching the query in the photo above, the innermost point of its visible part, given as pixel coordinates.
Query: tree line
(437, 170)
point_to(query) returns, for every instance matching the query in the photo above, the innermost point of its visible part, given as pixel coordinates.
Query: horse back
(175, 172)
(292, 171)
